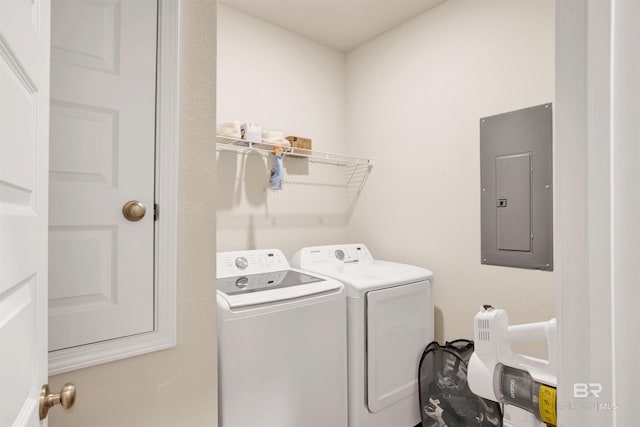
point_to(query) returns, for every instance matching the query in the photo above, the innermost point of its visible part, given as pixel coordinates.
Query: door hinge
(156, 211)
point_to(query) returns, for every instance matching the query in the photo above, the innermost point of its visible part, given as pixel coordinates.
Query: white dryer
(282, 357)
(390, 321)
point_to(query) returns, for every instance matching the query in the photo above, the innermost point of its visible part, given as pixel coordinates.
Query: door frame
(165, 228)
(596, 212)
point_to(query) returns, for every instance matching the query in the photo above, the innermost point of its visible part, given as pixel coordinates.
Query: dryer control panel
(230, 264)
(332, 254)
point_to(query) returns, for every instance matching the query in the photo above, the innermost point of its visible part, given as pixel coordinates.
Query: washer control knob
(339, 253)
(242, 282)
(242, 262)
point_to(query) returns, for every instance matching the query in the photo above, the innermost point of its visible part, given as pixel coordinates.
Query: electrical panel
(516, 168)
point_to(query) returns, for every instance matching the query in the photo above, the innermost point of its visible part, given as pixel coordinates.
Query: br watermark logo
(587, 395)
(584, 390)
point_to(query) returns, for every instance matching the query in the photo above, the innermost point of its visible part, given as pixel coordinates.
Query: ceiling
(340, 24)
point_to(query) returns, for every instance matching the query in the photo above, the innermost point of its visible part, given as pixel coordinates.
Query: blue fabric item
(275, 182)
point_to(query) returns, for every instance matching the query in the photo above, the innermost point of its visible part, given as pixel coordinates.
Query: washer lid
(362, 277)
(252, 289)
(354, 266)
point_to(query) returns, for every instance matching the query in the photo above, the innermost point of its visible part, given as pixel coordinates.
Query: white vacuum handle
(528, 332)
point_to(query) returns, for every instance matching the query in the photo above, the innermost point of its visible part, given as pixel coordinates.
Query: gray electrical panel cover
(517, 188)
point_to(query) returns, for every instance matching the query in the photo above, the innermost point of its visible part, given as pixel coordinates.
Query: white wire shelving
(241, 145)
(352, 172)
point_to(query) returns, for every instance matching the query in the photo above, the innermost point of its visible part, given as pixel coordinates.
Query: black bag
(445, 397)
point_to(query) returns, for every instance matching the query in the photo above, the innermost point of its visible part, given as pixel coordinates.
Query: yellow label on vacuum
(547, 404)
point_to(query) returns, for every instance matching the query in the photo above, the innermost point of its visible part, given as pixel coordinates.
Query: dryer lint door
(399, 326)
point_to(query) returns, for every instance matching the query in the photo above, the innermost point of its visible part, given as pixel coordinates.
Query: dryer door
(399, 326)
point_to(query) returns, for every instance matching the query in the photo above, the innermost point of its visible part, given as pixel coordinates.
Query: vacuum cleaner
(525, 385)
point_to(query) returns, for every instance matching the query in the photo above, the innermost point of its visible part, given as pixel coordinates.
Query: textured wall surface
(175, 387)
(414, 99)
(283, 81)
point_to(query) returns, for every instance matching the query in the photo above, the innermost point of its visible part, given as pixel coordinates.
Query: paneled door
(103, 101)
(24, 133)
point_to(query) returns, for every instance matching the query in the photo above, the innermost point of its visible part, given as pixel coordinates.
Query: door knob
(65, 398)
(134, 210)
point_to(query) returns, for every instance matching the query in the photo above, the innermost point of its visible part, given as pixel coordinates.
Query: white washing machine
(390, 322)
(282, 356)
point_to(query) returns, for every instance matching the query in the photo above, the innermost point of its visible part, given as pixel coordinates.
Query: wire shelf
(241, 145)
(333, 178)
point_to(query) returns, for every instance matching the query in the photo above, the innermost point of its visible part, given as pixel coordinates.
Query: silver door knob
(65, 398)
(134, 210)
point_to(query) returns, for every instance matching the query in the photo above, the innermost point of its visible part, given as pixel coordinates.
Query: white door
(24, 138)
(103, 86)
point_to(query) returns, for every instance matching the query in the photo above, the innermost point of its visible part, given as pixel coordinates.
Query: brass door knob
(65, 398)
(134, 210)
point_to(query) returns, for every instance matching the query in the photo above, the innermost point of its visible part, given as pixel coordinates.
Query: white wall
(414, 99)
(280, 80)
(175, 387)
